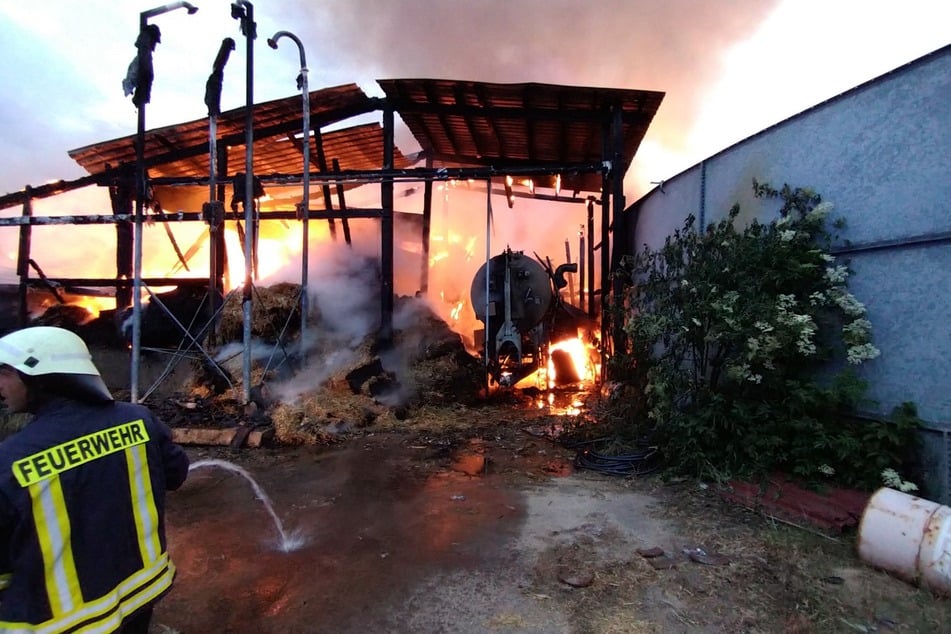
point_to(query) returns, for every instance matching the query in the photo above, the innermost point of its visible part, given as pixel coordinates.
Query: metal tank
(511, 294)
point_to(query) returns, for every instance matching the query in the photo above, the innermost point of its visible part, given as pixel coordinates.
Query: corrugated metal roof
(182, 149)
(457, 123)
(512, 125)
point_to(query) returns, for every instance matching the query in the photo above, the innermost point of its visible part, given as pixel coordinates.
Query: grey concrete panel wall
(664, 212)
(881, 154)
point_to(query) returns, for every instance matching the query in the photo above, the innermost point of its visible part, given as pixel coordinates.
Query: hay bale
(438, 364)
(275, 314)
(69, 316)
(323, 417)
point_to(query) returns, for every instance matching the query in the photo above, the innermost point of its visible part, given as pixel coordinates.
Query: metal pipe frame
(305, 205)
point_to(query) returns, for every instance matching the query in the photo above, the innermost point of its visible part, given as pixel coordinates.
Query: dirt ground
(481, 526)
(451, 516)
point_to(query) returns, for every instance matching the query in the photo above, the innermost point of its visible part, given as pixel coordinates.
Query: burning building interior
(299, 249)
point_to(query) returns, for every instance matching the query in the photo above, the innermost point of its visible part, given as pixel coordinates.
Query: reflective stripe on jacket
(82, 498)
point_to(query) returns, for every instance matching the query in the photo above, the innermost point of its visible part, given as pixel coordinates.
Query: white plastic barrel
(909, 537)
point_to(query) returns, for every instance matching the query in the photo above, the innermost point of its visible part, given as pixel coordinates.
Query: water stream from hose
(289, 542)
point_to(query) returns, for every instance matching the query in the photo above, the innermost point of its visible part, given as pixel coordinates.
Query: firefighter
(82, 494)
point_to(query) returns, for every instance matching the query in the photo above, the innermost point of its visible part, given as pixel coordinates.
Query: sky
(728, 68)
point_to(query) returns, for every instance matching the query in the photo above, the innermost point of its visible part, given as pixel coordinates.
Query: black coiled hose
(637, 463)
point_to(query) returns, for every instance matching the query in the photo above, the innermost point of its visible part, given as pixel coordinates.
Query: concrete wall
(881, 154)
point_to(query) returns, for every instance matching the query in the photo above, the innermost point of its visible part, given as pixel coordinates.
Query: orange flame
(457, 310)
(95, 304)
(580, 354)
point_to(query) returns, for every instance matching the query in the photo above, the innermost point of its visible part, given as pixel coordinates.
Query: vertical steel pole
(248, 28)
(139, 202)
(213, 227)
(137, 243)
(305, 217)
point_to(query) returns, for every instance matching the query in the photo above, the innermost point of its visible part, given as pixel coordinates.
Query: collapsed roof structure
(577, 140)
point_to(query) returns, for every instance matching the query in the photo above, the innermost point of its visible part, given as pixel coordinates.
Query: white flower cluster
(743, 373)
(858, 331)
(847, 302)
(820, 211)
(837, 274)
(891, 479)
(864, 352)
(803, 325)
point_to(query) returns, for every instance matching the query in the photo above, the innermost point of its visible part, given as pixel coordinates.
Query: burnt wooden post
(221, 252)
(325, 187)
(581, 263)
(386, 232)
(342, 205)
(590, 254)
(23, 259)
(617, 194)
(427, 222)
(122, 192)
(606, 189)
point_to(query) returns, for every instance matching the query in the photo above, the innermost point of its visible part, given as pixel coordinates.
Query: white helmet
(42, 351)
(46, 350)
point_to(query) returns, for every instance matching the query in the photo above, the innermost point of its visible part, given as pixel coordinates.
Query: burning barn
(465, 222)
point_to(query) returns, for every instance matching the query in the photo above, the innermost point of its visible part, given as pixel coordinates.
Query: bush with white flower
(743, 340)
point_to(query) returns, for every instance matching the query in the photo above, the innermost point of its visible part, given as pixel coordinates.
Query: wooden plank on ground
(216, 437)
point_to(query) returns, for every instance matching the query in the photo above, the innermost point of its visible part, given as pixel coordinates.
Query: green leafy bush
(743, 342)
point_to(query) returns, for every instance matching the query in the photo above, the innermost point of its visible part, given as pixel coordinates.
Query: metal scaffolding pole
(143, 63)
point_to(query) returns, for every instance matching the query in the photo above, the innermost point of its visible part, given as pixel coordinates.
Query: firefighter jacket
(82, 529)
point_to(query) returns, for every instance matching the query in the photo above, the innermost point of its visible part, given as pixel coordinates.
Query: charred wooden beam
(23, 259)
(617, 196)
(342, 204)
(490, 124)
(444, 124)
(459, 96)
(480, 169)
(102, 219)
(196, 161)
(107, 282)
(53, 189)
(427, 219)
(386, 234)
(325, 187)
(45, 281)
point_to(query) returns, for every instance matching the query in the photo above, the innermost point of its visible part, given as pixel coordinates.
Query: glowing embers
(561, 402)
